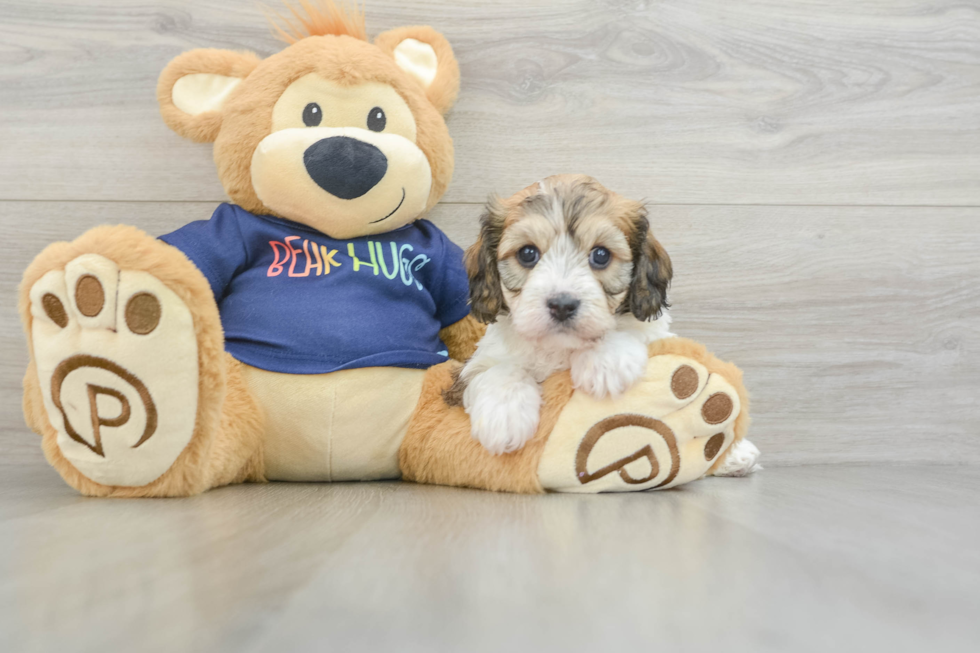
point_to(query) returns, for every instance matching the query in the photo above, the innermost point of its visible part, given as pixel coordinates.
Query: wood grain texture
(844, 558)
(762, 132)
(858, 328)
(680, 101)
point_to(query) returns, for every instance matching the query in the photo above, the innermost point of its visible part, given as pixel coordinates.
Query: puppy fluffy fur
(569, 276)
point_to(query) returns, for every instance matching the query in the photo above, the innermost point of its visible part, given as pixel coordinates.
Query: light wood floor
(814, 171)
(816, 558)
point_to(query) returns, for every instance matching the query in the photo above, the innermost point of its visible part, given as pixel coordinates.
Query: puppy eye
(528, 256)
(599, 257)
(312, 115)
(376, 119)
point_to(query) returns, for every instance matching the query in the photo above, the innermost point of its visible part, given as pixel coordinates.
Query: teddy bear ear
(194, 86)
(427, 57)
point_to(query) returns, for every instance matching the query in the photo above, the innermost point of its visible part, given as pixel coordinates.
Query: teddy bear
(309, 330)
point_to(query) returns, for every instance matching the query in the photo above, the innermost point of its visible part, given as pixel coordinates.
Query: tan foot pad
(667, 430)
(116, 356)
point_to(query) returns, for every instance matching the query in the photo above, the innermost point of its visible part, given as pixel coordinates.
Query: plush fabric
(659, 434)
(439, 449)
(318, 18)
(226, 424)
(461, 337)
(714, 365)
(247, 112)
(444, 87)
(202, 92)
(342, 426)
(98, 332)
(200, 127)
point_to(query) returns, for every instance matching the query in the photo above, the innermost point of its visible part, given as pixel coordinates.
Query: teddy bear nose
(344, 166)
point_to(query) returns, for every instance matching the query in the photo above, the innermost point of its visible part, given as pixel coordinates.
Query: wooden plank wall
(813, 169)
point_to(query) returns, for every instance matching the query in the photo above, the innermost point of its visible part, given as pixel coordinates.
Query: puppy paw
(504, 407)
(742, 460)
(611, 367)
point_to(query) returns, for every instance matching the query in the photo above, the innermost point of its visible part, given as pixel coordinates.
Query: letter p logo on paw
(96, 420)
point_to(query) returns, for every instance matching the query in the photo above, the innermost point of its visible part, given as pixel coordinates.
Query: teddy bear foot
(668, 429)
(116, 357)
(128, 383)
(685, 418)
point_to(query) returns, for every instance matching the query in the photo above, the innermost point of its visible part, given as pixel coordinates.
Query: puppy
(569, 276)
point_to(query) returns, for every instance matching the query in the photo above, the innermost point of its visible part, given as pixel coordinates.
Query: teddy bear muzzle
(344, 182)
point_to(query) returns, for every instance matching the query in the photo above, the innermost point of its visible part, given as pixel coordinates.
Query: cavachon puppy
(569, 276)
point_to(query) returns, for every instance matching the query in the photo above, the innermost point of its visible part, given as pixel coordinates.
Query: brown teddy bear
(304, 332)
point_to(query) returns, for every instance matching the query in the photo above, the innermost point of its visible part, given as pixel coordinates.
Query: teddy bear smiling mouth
(393, 211)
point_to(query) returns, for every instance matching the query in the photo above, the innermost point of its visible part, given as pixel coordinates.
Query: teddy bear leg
(439, 449)
(681, 421)
(677, 424)
(128, 382)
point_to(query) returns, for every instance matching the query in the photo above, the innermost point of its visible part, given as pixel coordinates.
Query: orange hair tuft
(318, 18)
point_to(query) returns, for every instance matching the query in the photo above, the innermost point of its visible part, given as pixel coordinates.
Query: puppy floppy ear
(427, 57)
(486, 293)
(652, 271)
(194, 86)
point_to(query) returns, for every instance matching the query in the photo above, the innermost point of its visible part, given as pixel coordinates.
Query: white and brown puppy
(569, 276)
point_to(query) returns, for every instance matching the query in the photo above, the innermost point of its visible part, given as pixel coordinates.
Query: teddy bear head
(334, 132)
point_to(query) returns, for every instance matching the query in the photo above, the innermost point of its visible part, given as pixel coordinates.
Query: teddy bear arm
(461, 338)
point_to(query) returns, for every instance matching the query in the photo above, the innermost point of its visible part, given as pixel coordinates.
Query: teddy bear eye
(376, 120)
(528, 256)
(599, 257)
(312, 114)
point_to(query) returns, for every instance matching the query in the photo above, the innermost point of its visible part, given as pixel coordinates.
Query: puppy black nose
(562, 307)
(344, 166)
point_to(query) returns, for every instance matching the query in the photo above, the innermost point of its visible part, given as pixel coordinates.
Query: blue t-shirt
(295, 300)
